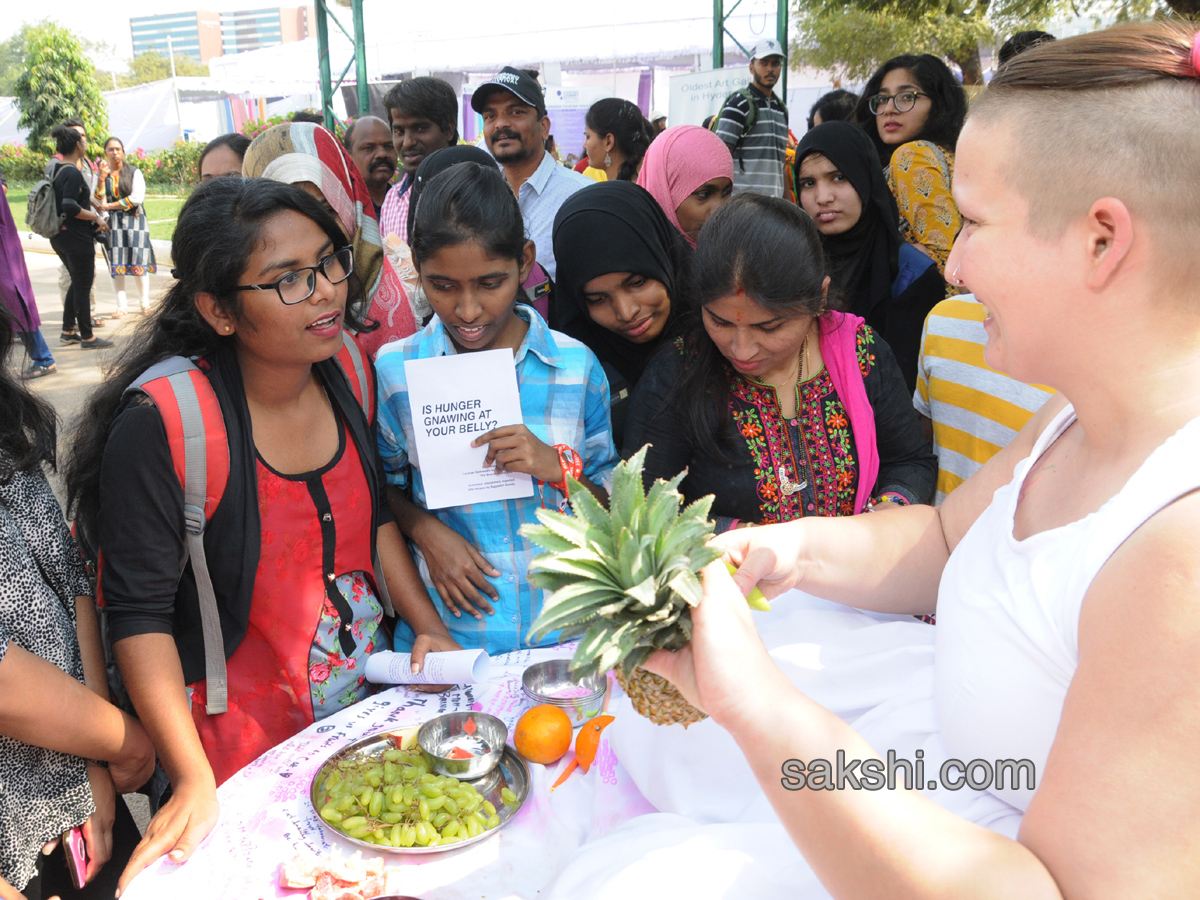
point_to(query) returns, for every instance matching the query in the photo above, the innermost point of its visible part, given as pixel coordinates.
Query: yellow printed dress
(919, 176)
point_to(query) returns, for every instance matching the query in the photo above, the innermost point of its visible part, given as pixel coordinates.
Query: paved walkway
(78, 370)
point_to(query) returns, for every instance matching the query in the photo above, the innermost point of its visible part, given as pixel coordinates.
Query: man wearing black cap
(754, 125)
(516, 127)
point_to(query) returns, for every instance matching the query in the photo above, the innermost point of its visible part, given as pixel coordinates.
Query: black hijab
(864, 261)
(437, 162)
(614, 226)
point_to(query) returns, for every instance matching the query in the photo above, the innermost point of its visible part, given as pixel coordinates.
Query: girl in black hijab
(839, 182)
(621, 277)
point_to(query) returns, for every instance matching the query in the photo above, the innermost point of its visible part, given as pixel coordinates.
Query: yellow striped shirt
(975, 409)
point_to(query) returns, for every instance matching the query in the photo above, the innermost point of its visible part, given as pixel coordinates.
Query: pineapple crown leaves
(624, 579)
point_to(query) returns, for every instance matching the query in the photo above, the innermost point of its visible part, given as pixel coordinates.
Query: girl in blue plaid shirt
(471, 253)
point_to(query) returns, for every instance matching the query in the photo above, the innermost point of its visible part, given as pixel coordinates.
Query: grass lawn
(161, 208)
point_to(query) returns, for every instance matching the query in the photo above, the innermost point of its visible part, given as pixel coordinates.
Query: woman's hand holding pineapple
(725, 654)
(766, 556)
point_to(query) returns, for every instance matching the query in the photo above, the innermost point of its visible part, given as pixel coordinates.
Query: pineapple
(624, 580)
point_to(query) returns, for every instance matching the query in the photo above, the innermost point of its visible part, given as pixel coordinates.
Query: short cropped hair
(427, 97)
(1113, 113)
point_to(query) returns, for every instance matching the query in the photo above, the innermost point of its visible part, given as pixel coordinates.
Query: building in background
(253, 29)
(194, 34)
(203, 34)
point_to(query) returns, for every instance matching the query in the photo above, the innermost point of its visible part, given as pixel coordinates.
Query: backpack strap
(196, 435)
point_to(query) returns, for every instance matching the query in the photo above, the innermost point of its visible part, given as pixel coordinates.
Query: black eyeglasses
(298, 285)
(903, 101)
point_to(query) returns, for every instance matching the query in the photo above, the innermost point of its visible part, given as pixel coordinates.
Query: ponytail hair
(631, 131)
(466, 203)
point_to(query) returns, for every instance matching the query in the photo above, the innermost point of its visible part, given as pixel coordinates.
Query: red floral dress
(314, 616)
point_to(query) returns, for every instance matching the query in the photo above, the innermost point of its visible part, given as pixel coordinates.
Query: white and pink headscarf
(679, 161)
(293, 152)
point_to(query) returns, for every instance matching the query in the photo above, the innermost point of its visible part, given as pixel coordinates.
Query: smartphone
(75, 851)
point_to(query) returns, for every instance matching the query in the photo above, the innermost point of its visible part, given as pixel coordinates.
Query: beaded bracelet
(887, 497)
(572, 464)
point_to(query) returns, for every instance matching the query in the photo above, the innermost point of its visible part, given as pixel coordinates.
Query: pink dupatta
(839, 349)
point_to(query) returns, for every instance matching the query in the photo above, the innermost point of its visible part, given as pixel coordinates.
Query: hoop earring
(954, 279)
(607, 160)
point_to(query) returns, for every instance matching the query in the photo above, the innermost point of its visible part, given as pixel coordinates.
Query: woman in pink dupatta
(689, 172)
(308, 156)
(774, 401)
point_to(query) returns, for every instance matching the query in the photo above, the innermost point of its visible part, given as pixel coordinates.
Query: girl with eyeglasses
(311, 158)
(263, 273)
(913, 109)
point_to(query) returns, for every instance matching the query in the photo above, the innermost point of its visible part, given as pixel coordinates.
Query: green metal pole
(781, 35)
(360, 58)
(323, 60)
(718, 53)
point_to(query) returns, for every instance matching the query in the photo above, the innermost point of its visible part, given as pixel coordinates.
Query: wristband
(887, 497)
(572, 464)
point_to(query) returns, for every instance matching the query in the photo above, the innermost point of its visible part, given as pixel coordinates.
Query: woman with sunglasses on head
(913, 109)
(260, 301)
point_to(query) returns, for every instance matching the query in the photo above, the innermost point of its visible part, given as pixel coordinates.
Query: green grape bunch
(393, 800)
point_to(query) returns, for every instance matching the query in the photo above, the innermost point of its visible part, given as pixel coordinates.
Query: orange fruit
(588, 741)
(543, 734)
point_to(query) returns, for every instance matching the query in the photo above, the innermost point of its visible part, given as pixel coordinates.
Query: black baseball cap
(520, 84)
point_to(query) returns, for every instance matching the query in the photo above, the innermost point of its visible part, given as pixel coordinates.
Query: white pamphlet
(450, 667)
(454, 399)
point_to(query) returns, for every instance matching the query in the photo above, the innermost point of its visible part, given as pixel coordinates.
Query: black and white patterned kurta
(42, 793)
(130, 250)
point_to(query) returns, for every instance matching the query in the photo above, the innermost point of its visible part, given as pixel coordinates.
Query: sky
(111, 25)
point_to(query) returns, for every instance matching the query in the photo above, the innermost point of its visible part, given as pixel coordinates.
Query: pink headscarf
(679, 161)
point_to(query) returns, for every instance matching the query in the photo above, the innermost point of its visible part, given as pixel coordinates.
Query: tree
(155, 66)
(853, 37)
(59, 81)
(12, 60)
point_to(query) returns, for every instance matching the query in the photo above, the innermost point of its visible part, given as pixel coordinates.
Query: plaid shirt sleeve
(393, 409)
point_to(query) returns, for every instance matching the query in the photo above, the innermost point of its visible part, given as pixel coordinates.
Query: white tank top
(1008, 610)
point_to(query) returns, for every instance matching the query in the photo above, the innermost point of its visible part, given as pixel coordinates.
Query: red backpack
(199, 446)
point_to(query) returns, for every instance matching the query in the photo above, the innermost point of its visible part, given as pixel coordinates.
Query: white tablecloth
(266, 814)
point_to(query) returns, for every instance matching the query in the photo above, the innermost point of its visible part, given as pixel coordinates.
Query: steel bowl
(546, 682)
(437, 736)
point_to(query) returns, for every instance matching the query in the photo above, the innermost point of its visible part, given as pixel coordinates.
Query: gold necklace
(786, 485)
